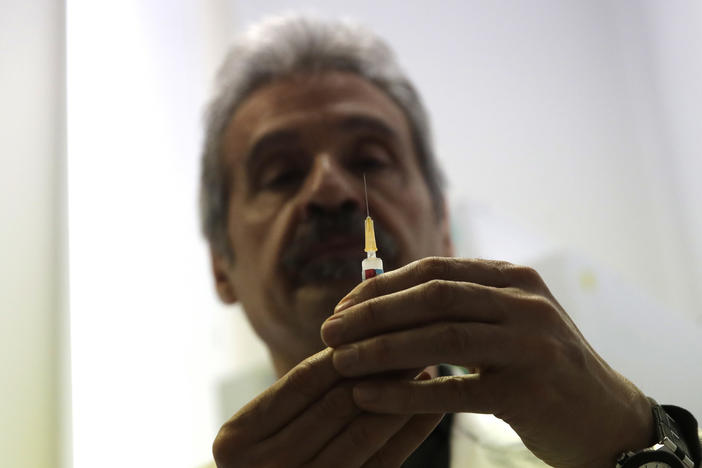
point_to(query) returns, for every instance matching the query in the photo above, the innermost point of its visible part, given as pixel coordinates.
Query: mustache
(324, 225)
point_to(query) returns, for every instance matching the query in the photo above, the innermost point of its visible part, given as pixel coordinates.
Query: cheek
(258, 232)
(408, 212)
(425, 230)
(421, 216)
(249, 223)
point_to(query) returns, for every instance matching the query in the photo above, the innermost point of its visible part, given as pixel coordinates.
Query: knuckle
(538, 302)
(525, 275)
(542, 309)
(499, 264)
(371, 313)
(437, 293)
(499, 301)
(432, 268)
(379, 285)
(535, 306)
(501, 269)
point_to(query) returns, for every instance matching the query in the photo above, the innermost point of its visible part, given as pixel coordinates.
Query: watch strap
(688, 431)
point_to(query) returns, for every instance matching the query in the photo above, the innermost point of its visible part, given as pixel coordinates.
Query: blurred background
(570, 133)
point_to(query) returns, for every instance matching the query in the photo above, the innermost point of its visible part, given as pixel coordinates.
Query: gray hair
(281, 46)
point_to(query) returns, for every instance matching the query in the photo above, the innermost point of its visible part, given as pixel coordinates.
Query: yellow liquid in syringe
(371, 266)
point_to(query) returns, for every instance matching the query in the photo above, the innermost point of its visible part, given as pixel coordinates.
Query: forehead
(306, 101)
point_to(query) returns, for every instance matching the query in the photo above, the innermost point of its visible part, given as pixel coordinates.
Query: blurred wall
(141, 294)
(31, 234)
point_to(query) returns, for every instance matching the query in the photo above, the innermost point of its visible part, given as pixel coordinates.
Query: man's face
(297, 150)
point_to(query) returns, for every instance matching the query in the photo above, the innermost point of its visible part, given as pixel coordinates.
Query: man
(303, 110)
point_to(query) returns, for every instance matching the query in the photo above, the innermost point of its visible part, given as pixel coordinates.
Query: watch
(670, 451)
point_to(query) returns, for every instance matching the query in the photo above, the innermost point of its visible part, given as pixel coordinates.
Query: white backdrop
(573, 121)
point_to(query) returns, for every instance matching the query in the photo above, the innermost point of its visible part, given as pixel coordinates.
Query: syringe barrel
(370, 267)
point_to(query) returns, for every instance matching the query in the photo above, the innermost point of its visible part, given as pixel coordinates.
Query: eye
(367, 164)
(282, 179)
(369, 157)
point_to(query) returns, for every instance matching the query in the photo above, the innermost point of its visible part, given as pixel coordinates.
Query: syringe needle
(365, 190)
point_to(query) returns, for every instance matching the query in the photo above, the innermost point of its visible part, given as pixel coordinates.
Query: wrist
(641, 430)
(634, 429)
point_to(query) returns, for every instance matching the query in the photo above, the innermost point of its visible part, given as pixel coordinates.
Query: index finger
(289, 396)
(483, 272)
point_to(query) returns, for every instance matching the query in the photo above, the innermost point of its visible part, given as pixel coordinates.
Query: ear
(445, 225)
(221, 268)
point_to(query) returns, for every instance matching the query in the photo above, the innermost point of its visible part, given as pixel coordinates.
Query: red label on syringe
(367, 274)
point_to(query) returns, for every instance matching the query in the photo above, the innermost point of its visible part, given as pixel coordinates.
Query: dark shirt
(435, 451)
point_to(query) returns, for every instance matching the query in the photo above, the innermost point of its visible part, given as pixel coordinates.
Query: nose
(330, 187)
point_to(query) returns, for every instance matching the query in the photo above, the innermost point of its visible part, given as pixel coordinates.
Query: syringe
(371, 266)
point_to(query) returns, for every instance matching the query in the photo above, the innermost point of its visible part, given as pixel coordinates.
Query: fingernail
(365, 393)
(345, 357)
(344, 304)
(332, 330)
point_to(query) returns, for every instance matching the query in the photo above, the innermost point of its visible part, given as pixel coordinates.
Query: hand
(536, 371)
(308, 418)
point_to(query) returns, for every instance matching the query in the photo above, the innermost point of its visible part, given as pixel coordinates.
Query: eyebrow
(365, 122)
(269, 140)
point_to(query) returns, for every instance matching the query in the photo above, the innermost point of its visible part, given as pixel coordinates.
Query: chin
(319, 298)
(314, 303)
